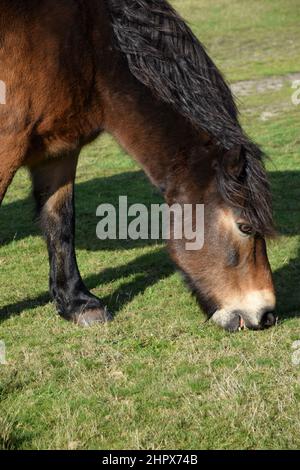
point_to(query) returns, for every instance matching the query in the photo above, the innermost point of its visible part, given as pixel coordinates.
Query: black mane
(164, 55)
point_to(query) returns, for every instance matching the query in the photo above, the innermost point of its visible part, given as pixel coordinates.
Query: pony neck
(152, 133)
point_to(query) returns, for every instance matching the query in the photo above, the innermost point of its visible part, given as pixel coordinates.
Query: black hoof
(91, 316)
(84, 311)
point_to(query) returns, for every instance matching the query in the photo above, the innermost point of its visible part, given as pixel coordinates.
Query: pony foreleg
(53, 186)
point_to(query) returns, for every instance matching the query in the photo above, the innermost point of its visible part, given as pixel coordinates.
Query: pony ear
(234, 161)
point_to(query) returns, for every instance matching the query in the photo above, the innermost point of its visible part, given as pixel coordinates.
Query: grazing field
(159, 376)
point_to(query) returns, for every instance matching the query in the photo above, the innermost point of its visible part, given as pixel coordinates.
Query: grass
(158, 376)
(247, 39)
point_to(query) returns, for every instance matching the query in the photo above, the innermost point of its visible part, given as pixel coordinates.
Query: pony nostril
(242, 323)
(268, 320)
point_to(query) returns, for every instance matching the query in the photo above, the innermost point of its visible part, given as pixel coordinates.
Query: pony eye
(246, 229)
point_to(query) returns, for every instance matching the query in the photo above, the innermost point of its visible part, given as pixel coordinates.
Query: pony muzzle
(255, 312)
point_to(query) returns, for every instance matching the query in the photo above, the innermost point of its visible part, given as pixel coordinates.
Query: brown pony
(75, 68)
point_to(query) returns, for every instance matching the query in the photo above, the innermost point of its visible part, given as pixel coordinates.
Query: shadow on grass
(148, 269)
(286, 191)
(16, 220)
(15, 441)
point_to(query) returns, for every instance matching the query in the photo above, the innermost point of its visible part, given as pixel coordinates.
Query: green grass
(158, 376)
(247, 39)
